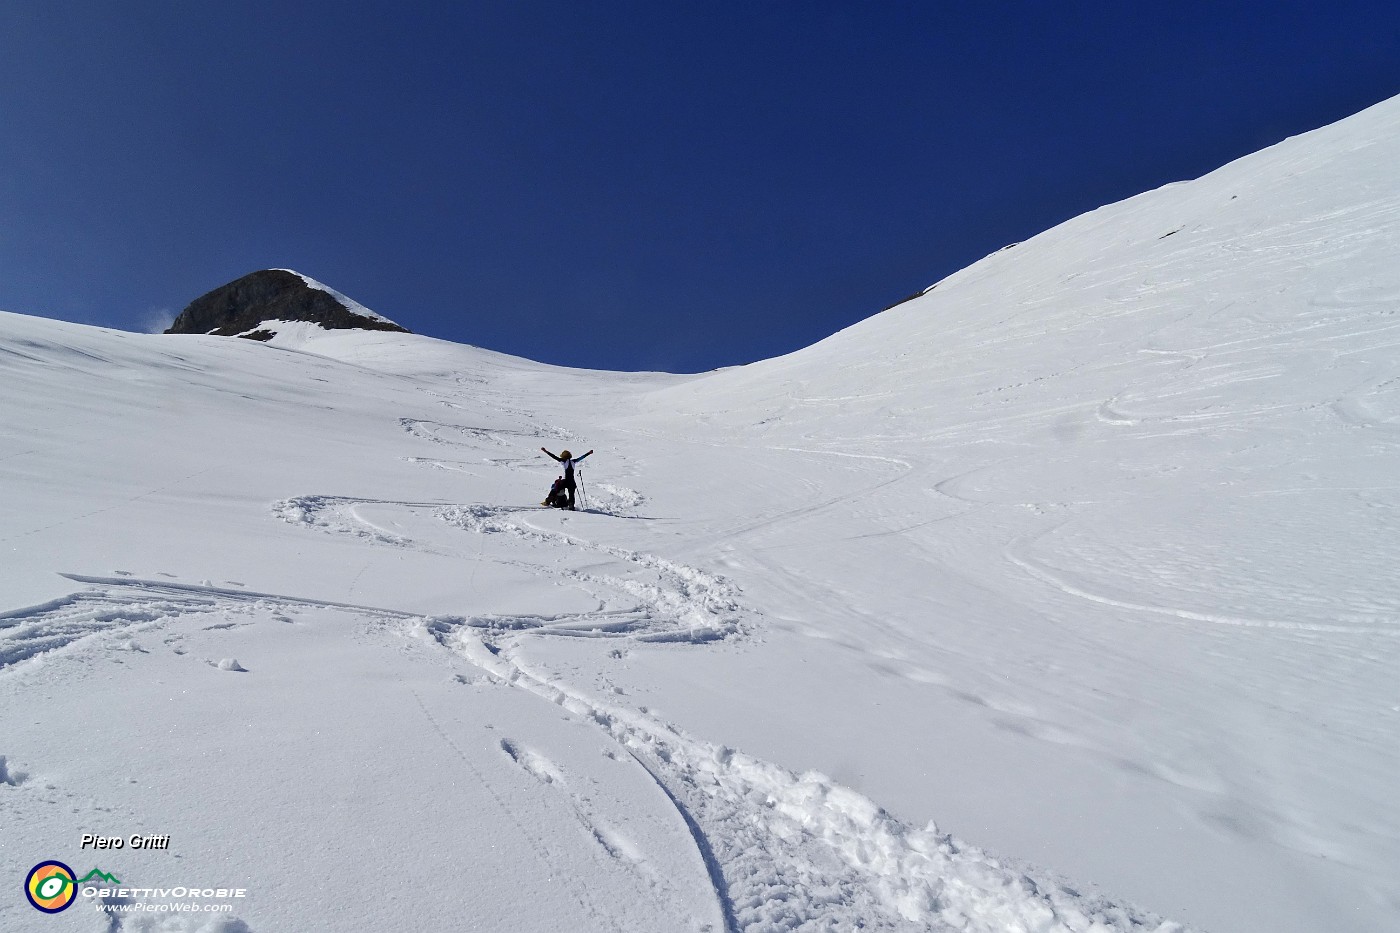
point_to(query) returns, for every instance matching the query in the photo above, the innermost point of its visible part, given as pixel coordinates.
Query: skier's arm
(553, 457)
(577, 459)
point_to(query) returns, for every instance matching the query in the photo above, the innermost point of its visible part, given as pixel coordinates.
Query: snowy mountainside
(1277, 243)
(318, 576)
(1147, 457)
(1083, 555)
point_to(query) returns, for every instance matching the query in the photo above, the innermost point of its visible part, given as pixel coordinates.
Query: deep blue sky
(666, 185)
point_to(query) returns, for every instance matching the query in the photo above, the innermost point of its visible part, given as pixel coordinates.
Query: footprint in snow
(11, 777)
(538, 766)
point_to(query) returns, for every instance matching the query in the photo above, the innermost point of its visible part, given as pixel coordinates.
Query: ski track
(784, 852)
(539, 843)
(1379, 624)
(660, 600)
(613, 843)
(457, 434)
(802, 853)
(27, 634)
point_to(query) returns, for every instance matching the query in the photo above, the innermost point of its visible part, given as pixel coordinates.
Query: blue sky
(665, 185)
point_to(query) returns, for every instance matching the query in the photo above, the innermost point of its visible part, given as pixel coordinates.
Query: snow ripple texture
(675, 601)
(27, 633)
(787, 852)
(660, 600)
(802, 853)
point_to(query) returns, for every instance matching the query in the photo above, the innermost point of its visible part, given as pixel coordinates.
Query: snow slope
(1084, 554)
(350, 304)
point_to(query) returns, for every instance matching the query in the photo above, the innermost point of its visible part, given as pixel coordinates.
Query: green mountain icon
(98, 874)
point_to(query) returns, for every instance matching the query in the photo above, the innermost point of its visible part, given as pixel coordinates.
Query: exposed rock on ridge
(243, 305)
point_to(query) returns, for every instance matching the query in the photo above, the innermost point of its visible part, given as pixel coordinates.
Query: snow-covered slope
(1151, 457)
(351, 305)
(1142, 501)
(1086, 555)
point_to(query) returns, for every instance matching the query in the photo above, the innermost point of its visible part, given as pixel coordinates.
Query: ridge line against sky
(678, 187)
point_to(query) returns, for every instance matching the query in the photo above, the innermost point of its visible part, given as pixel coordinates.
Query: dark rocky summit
(239, 308)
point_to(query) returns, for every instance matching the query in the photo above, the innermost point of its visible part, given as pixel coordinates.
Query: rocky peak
(240, 308)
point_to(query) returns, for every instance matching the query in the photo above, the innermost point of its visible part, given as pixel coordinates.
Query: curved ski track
(783, 852)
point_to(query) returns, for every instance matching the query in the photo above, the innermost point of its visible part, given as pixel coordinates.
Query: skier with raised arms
(568, 460)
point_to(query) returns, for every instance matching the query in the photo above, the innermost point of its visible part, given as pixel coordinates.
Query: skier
(568, 460)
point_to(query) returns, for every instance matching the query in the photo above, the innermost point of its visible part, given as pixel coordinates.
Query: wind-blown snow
(1086, 554)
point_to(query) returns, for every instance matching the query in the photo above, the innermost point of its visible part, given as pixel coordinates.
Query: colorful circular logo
(50, 887)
